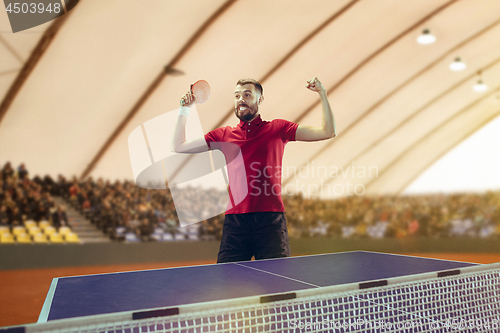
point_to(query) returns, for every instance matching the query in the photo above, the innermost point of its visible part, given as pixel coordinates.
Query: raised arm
(327, 129)
(179, 143)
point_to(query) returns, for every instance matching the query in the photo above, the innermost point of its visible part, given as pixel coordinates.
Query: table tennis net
(464, 300)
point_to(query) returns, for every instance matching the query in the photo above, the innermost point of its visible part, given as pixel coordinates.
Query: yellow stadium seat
(40, 238)
(23, 238)
(72, 238)
(44, 224)
(64, 230)
(17, 230)
(33, 230)
(7, 238)
(49, 230)
(56, 238)
(4, 229)
(29, 224)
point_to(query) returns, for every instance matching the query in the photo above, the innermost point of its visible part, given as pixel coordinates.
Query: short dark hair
(255, 83)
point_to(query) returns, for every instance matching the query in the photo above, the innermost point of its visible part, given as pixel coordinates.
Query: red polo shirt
(262, 144)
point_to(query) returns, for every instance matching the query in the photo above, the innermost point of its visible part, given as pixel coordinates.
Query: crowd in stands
(121, 209)
(27, 209)
(434, 216)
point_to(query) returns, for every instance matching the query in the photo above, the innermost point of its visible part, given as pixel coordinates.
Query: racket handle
(191, 89)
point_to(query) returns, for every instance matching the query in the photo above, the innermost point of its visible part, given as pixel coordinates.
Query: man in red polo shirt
(256, 226)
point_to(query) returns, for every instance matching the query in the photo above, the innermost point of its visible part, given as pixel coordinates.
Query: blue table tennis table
(170, 288)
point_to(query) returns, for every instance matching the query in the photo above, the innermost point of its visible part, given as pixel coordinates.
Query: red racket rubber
(201, 90)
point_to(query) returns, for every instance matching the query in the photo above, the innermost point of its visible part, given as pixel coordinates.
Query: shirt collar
(256, 121)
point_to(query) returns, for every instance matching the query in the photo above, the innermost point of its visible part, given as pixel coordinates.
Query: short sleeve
(214, 136)
(287, 129)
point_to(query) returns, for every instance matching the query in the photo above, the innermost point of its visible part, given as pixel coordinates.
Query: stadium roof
(73, 89)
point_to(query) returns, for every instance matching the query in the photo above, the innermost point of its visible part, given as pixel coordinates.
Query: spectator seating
(40, 238)
(49, 230)
(125, 212)
(44, 224)
(131, 237)
(64, 230)
(71, 237)
(7, 238)
(23, 238)
(34, 230)
(167, 237)
(17, 230)
(30, 223)
(4, 229)
(56, 238)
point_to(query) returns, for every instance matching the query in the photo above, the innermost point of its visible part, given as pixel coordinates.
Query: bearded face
(246, 102)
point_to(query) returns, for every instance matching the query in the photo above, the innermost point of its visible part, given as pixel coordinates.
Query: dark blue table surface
(128, 291)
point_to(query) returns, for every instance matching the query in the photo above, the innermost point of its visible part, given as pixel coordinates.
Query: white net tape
(469, 302)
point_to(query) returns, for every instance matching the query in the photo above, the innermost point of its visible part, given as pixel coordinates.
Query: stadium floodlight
(480, 86)
(457, 65)
(426, 37)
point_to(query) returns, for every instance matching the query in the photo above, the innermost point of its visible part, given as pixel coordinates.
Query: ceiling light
(457, 65)
(426, 37)
(173, 71)
(480, 86)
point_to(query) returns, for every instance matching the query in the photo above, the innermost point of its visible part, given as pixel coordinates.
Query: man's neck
(254, 117)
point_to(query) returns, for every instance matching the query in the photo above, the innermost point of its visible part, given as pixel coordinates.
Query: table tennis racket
(201, 90)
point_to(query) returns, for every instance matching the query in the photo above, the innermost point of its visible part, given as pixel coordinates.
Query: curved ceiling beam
(434, 100)
(156, 82)
(9, 72)
(11, 50)
(434, 130)
(465, 137)
(37, 54)
(293, 51)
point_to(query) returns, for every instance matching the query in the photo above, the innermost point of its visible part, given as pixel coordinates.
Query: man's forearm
(179, 142)
(179, 136)
(327, 129)
(328, 120)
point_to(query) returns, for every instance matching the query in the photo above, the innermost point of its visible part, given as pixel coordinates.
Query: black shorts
(262, 235)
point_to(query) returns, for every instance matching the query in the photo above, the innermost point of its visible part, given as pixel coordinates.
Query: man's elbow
(330, 132)
(330, 135)
(174, 149)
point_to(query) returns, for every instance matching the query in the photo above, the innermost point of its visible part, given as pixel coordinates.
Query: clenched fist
(188, 99)
(315, 85)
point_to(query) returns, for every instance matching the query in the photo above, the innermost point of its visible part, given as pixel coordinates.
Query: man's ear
(261, 99)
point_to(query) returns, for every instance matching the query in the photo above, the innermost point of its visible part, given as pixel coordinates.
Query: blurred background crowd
(124, 211)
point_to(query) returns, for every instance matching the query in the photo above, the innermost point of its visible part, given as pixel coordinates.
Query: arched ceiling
(112, 65)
